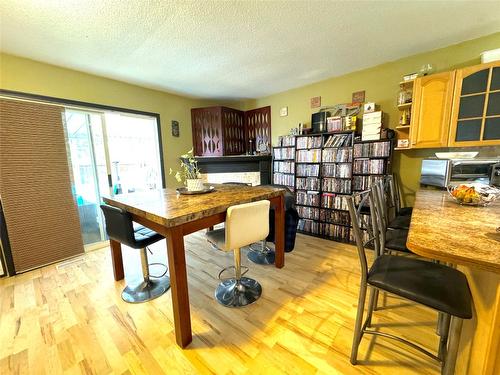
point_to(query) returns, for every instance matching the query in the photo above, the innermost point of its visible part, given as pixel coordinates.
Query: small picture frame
(358, 97)
(316, 102)
(175, 128)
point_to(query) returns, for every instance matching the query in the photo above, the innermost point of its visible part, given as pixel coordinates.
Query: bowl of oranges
(473, 194)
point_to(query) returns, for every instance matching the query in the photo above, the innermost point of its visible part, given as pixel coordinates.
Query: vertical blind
(40, 211)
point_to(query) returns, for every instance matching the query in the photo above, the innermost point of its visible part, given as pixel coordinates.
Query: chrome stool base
(259, 257)
(233, 293)
(146, 290)
(260, 253)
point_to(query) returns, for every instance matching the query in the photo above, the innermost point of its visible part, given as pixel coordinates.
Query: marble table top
(465, 235)
(168, 208)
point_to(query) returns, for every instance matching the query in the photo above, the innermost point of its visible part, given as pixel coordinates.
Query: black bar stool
(121, 228)
(433, 285)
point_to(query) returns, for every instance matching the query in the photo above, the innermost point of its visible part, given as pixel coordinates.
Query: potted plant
(189, 172)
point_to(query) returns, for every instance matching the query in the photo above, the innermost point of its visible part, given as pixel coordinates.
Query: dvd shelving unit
(308, 182)
(336, 184)
(327, 168)
(323, 176)
(371, 162)
(284, 162)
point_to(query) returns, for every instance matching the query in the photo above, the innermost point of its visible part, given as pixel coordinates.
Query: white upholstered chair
(245, 224)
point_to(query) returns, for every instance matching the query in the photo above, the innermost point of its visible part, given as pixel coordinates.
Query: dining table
(466, 237)
(175, 215)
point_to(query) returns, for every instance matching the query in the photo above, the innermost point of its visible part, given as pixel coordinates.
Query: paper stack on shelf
(372, 124)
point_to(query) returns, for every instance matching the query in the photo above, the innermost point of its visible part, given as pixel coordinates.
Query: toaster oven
(444, 172)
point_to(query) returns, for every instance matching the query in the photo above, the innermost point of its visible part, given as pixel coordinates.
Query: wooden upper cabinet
(475, 116)
(431, 108)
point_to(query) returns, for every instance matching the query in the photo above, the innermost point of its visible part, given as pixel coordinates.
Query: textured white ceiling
(234, 49)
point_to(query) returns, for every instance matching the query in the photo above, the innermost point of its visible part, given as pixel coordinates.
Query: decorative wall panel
(207, 131)
(258, 127)
(220, 131)
(234, 131)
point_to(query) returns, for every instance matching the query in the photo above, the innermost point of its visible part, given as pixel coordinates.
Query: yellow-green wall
(381, 84)
(34, 77)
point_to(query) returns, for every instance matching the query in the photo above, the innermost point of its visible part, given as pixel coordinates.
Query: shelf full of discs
(308, 142)
(308, 226)
(374, 149)
(366, 166)
(341, 233)
(308, 182)
(371, 162)
(284, 153)
(284, 162)
(284, 179)
(362, 183)
(308, 198)
(281, 166)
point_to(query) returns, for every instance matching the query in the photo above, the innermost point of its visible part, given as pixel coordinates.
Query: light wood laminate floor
(69, 318)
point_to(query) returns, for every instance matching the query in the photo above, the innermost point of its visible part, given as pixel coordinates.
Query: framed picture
(316, 102)
(358, 97)
(175, 128)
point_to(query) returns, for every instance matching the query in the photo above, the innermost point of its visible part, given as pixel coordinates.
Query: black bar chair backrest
(357, 204)
(119, 225)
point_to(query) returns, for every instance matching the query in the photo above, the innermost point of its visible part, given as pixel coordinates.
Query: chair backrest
(246, 223)
(119, 226)
(362, 222)
(381, 213)
(395, 191)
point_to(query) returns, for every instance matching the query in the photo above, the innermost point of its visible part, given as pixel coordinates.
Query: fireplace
(253, 169)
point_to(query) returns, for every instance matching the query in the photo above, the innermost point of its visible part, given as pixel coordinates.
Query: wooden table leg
(179, 286)
(117, 260)
(279, 232)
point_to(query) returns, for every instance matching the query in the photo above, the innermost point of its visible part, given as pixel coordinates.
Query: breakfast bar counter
(465, 236)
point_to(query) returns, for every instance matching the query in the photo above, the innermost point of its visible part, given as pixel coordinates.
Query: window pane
(492, 128)
(471, 106)
(468, 130)
(495, 80)
(493, 104)
(475, 83)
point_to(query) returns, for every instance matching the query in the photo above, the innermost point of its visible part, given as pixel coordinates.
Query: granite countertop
(168, 208)
(465, 235)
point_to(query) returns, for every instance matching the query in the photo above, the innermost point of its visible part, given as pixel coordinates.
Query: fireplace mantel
(237, 163)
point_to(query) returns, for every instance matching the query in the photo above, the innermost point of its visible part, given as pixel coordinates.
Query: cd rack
(324, 170)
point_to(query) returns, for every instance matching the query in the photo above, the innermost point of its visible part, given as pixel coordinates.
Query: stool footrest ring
(232, 277)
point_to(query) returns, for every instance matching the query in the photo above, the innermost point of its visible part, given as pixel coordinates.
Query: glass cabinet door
(476, 110)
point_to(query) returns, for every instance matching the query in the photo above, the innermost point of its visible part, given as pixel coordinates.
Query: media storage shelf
(322, 164)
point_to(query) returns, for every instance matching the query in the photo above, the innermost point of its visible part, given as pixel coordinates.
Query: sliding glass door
(109, 153)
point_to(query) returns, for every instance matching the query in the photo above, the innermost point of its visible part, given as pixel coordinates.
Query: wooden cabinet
(431, 110)
(221, 131)
(218, 131)
(475, 116)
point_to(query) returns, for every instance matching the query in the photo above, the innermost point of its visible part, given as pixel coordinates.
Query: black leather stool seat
(434, 285)
(121, 228)
(400, 222)
(396, 240)
(145, 236)
(405, 211)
